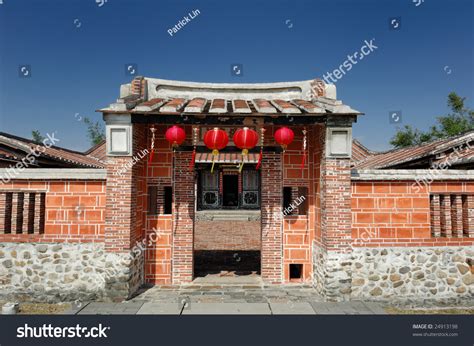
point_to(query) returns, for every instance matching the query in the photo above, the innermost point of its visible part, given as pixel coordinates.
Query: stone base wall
(67, 272)
(332, 274)
(408, 274)
(418, 273)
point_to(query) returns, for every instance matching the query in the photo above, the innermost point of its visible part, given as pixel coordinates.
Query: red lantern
(175, 135)
(245, 139)
(284, 136)
(215, 140)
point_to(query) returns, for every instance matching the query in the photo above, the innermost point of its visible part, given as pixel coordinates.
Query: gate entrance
(227, 228)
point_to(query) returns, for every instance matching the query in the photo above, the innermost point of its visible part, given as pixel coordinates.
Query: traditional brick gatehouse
(353, 223)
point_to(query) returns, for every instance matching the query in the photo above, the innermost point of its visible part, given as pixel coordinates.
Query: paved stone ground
(222, 299)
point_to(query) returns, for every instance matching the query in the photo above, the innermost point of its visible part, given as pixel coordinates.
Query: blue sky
(77, 51)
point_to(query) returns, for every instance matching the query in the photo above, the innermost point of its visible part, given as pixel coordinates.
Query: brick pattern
(435, 216)
(272, 189)
(300, 230)
(296, 245)
(468, 215)
(227, 235)
(336, 204)
(183, 219)
(126, 197)
(69, 210)
(3, 197)
(453, 211)
(456, 215)
(22, 212)
(159, 173)
(446, 225)
(158, 250)
(387, 213)
(121, 196)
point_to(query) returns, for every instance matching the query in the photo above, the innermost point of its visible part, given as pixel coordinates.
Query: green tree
(95, 131)
(37, 136)
(461, 119)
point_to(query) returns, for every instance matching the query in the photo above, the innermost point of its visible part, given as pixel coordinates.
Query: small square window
(296, 271)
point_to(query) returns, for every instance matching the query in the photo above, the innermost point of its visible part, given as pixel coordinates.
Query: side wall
(396, 250)
(74, 210)
(67, 261)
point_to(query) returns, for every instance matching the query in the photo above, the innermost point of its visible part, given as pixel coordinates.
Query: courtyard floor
(247, 298)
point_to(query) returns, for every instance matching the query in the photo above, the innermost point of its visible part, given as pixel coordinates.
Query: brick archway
(184, 214)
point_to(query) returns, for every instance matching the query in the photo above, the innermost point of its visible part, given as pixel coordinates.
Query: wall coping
(411, 174)
(7, 174)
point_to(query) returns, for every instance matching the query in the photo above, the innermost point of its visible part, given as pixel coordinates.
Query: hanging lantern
(262, 140)
(245, 139)
(303, 160)
(215, 140)
(195, 139)
(175, 135)
(152, 149)
(284, 136)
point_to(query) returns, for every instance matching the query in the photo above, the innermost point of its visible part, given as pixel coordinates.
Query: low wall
(72, 208)
(67, 272)
(395, 273)
(412, 272)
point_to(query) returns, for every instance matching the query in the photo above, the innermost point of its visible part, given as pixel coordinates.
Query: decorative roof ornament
(318, 88)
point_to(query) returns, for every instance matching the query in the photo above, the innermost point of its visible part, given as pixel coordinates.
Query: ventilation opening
(286, 197)
(168, 199)
(152, 200)
(296, 271)
(303, 200)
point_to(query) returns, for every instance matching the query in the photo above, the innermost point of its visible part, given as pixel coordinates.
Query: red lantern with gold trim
(284, 136)
(215, 139)
(175, 135)
(245, 139)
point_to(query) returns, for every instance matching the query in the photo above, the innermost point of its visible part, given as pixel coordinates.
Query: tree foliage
(95, 131)
(37, 137)
(461, 119)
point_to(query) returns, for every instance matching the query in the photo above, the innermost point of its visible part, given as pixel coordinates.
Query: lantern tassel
(215, 153)
(303, 161)
(150, 158)
(213, 162)
(193, 159)
(259, 163)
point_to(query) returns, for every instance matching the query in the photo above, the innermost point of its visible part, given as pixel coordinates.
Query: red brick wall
(159, 174)
(159, 249)
(74, 210)
(387, 213)
(300, 230)
(183, 219)
(227, 235)
(126, 197)
(272, 241)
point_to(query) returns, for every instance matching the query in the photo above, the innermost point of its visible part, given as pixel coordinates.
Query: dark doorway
(231, 191)
(228, 263)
